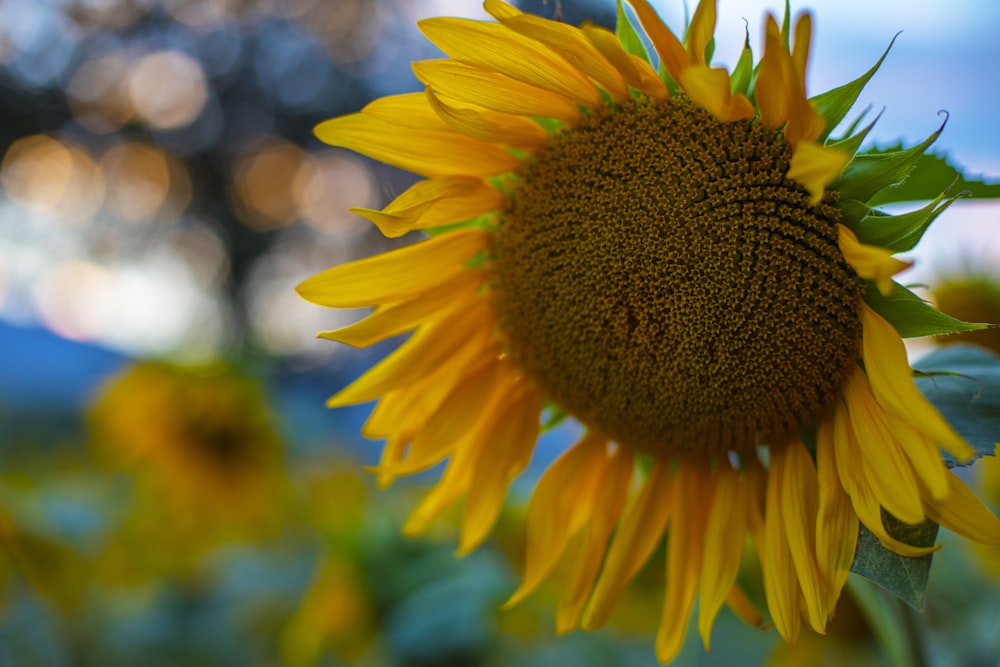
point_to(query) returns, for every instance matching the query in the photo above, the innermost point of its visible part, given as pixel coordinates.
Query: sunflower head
(685, 261)
(199, 438)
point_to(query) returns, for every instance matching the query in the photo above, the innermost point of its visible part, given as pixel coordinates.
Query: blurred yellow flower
(669, 259)
(975, 299)
(201, 441)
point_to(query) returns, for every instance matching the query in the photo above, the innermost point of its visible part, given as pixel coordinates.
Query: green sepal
(786, 26)
(484, 221)
(968, 396)
(911, 316)
(834, 104)
(710, 50)
(906, 578)
(857, 121)
(628, 36)
(739, 81)
(868, 173)
(554, 416)
(900, 233)
(932, 175)
(852, 141)
(852, 211)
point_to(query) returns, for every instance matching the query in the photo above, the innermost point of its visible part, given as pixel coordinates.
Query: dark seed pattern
(659, 276)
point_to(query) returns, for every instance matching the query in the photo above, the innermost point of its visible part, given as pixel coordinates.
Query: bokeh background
(172, 490)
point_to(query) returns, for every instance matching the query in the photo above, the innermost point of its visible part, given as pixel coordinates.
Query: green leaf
(834, 104)
(906, 578)
(868, 173)
(968, 397)
(743, 72)
(852, 142)
(852, 212)
(786, 26)
(911, 316)
(932, 175)
(628, 36)
(900, 233)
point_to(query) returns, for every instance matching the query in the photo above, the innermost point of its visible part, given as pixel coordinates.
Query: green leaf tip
(902, 232)
(906, 578)
(911, 316)
(870, 173)
(834, 104)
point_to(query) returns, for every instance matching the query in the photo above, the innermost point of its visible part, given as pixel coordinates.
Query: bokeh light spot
(144, 182)
(262, 184)
(96, 95)
(326, 185)
(167, 89)
(53, 177)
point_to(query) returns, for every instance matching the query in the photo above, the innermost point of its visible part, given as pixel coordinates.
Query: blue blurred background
(161, 194)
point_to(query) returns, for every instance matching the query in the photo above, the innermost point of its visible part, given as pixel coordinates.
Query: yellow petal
(781, 584)
(855, 483)
(501, 10)
(741, 605)
(672, 53)
(800, 48)
(725, 534)
(691, 499)
(394, 319)
(636, 71)
(882, 459)
(491, 90)
(424, 152)
(814, 167)
(395, 275)
(890, 376)
(701, 31)
(511, 443)
(495, 47)
(571, 43)
(557, 511)
(870, 262)
(488, 125)
(406, 110)
(434, 202)
(604, 510)
(458, 475)
(771, 87)
(923, 454)
(710, 89)
(639, 531)
(804, 122)
(455, 418)
(422, 353)
(963, 513)
(401, 414)
(799, 491)
(836, 521)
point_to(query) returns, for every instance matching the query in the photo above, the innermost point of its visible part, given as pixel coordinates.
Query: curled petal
(870, 262)
(814, 167)
(432, 203)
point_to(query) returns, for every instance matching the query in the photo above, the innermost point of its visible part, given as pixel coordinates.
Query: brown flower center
(665, 283)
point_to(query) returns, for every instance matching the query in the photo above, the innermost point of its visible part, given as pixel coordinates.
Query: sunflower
(201, 441)
(684, 262)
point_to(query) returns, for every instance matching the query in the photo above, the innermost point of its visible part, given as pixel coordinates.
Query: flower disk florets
(665, 282)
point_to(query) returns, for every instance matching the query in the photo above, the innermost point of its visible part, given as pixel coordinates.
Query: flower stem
(894, 623)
